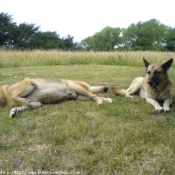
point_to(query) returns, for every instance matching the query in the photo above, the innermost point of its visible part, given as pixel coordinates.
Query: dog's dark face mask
(156, 72)
(154, 75)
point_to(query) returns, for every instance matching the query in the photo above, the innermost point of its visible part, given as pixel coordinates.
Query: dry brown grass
(54, 57)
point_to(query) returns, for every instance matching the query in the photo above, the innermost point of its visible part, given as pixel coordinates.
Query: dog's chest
(159, 94)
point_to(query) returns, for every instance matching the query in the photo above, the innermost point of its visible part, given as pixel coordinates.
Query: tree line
(149, 35)
(28, 36)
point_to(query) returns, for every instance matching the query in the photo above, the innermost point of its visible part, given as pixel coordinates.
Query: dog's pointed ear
(146, 62)
(167, 64)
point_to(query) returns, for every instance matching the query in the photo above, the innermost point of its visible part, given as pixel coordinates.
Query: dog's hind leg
(93, 89)
(88, 96)
(28, 89)
(98, 89)
(84, 98)
(135, 86)
(22, 88)
(107, 100)
(86, 92)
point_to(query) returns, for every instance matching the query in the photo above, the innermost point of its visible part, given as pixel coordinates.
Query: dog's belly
(51, 93)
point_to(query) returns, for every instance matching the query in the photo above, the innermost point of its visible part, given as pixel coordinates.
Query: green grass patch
(125, 137)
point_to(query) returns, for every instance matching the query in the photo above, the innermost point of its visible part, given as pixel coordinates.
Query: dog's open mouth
(153, 86)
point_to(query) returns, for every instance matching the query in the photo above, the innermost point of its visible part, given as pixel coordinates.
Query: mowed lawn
(76, 137)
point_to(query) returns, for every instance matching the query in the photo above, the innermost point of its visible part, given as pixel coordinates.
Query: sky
(83, 18)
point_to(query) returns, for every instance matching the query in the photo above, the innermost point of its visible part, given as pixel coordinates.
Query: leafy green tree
(87, 43)
(105, 40)
(51, 40)
(25, 35)
(68, 43)
(149, 35)
(7, 29)
(144, 35)
(169, 40)
(28, 36)
(47, 40)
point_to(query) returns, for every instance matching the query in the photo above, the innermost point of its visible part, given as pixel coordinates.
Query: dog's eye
(149, 72)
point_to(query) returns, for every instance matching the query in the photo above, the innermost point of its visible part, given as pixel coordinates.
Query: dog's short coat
(31, 93)
(154, 87)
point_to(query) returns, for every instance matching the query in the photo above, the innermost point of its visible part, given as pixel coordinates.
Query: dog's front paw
(166, 109)
(159, 108)
(13, 112)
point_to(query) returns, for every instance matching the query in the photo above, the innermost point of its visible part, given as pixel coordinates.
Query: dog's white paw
(110, 100)
(100, 102)
(158, 108)
(13, 112)
(166, 109)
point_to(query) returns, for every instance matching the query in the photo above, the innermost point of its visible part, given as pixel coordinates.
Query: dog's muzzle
(153, 84)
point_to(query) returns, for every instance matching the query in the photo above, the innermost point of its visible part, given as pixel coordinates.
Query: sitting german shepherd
(32, 93)
(155, 87)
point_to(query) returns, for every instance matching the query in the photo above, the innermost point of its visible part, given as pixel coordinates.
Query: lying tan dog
(32, 93)
(154, 87)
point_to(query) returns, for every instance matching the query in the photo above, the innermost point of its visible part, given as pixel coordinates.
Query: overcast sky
(83, 18)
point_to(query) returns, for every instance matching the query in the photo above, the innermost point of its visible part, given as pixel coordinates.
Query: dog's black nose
(151, 83)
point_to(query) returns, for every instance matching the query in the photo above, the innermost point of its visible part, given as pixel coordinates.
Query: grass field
(54, 57)
(75, 137)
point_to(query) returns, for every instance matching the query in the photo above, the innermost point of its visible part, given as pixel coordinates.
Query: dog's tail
(123, 93)
(118, 92)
